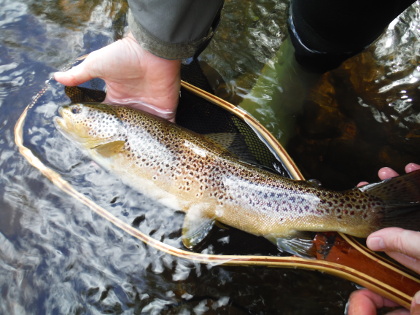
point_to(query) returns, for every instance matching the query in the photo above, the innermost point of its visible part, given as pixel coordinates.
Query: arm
(174, 29)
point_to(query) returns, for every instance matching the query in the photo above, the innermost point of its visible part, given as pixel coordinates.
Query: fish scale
(191, 172)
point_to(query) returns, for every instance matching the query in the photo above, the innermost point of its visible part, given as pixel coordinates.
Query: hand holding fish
(400, 244)
(133, 77)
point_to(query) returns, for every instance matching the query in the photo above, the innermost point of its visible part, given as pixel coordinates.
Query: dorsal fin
(235, 144)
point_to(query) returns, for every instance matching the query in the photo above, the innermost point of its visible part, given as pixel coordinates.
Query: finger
(73, 77)
(386, 172)
(411, 167)
(362, 184)
(408, 261)
(415, 304)
(76, 75)
(395, 240)
(366, 302)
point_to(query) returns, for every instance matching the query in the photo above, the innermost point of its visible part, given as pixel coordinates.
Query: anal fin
(300, 244)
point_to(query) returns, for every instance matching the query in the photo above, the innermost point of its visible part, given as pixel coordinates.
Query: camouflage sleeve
(174, 29)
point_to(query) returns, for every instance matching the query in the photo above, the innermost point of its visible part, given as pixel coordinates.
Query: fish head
(90, 125)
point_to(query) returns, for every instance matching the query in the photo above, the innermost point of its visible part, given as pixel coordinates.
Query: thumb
(75, 76)
(400, 244)
(395, 240)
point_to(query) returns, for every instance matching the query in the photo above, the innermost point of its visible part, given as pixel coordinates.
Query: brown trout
(194, 173)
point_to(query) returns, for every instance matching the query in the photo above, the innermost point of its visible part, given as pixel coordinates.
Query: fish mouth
(59, 122)
(63, 125)
(66, 126)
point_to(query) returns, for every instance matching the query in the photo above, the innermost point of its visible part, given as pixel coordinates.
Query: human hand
(402, 245)
(134, 77)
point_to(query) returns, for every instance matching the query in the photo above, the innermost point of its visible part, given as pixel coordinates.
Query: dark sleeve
(327, 32)
(174, 29)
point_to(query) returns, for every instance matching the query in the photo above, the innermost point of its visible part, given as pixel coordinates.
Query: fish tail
(403, 216)
(401, 196)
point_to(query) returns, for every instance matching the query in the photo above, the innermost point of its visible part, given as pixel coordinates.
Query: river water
(58, 257)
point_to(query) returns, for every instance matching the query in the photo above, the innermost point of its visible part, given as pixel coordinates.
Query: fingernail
(411, 167)
(375, 243)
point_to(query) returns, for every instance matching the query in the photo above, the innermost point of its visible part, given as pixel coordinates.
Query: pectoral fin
(300, 244)
(196, 227)
(110, 148)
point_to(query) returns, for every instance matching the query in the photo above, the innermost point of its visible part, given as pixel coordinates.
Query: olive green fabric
(174, 29)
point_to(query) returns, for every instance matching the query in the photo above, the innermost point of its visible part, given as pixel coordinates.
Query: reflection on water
(249, 34)
(56, 256)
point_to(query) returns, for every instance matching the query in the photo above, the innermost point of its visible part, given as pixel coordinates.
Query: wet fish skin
(191, 172)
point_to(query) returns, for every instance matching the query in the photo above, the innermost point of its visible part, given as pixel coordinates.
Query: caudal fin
(402, 197)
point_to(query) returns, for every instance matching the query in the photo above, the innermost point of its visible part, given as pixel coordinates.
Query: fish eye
(75, 109)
